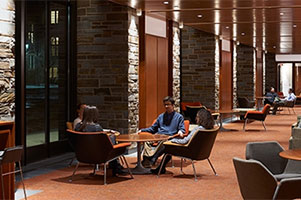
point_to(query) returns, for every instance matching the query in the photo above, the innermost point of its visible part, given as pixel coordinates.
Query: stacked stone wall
(103, 60)
(270, 70)
(7, 60)
(176, 67)
(198, 66)
(245, 72)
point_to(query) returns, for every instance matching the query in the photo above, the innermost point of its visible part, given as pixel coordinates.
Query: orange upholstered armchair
(257, 115)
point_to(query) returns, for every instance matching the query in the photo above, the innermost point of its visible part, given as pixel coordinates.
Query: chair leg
(182, 165)
(127, 165)
(121, 161)
(246, 121)
(105, 173)
(70, 180)
(94, 170)
(172, 163)
(264, 125)
(2, 183)
(71, 162)
(195, 178)
(22, 180)
(163, 160)
(212, 167)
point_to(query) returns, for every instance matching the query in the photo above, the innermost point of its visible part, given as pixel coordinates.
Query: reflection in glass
(45, 71)
(35, 73)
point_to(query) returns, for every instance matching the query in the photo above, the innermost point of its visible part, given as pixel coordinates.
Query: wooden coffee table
(292, 154)
(140, 139)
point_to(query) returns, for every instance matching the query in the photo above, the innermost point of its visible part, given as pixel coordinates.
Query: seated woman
(205, 121)
(89, 124)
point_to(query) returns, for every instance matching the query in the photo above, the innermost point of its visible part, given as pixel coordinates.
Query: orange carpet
(172, 185)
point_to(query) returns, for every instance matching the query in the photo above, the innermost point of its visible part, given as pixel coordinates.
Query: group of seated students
(274, 100)
(169, 123)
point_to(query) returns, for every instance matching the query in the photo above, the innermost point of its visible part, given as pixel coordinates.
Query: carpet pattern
(172, 185)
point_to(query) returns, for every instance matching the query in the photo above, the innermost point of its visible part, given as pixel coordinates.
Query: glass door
(286, 77)
(46, 77)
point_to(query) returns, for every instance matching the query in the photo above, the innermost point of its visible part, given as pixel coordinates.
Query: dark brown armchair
(257, 115)
(290, 105)
(198, 148)
(96, 148)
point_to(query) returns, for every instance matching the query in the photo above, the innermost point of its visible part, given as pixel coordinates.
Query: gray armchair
(256, 182)
(268, 154)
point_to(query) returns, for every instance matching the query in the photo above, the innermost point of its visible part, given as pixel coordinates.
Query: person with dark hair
(89, 120)
(90, 124)
(80, 110)
(271, 96)
(290, 97)
(168, 123)
(205, 121)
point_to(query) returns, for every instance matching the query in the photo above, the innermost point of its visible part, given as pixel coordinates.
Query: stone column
(245, 72)
(7, 60)
(176, 67)
(133, 86)
(198, 67)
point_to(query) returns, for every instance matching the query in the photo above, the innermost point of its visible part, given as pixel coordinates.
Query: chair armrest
(116, 146)
(288, 188)
(175, 144)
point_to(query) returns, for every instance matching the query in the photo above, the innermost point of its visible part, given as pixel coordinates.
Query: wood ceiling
(272, 25)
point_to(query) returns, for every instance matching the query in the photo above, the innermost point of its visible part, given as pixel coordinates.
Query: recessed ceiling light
(227, 27)
(139, 12)
(200, 16)
(274, 47)
(243, 33)
(166, 2)
(265, 51)
(295, 25)
(281, 13)
(237, 43)
(176, 8)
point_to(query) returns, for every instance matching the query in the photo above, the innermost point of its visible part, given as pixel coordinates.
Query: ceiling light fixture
(200, 16)
(176, 8)
(227, 27)
(265, 51)
(181, 25)
(243, 33)
(237, 43)
(274, 47)
(281, 13)
(139, 12)
(166, 2)
(295, 25)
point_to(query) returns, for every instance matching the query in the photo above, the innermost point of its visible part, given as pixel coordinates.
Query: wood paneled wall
(226, 81)
(155, 79)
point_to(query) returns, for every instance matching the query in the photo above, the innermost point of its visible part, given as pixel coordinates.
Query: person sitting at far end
(271, 95)
(168, 123)
(290, 97)
(90, 124)
(80, 110)
(205, 121)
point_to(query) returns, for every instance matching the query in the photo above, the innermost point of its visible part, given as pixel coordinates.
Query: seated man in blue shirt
(290, 97)
(168, 123)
